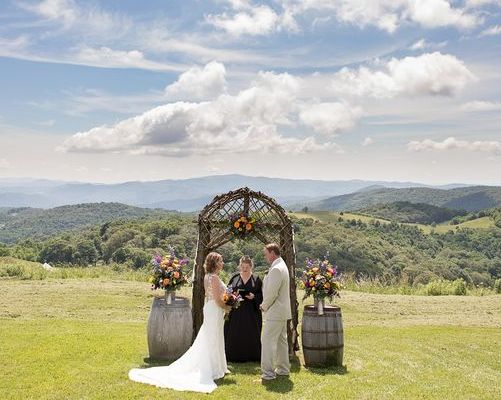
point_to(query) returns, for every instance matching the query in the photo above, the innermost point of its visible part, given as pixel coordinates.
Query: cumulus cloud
(452, 144)
(427, 74)
(249, 121)
(479, 105)
(330, 118)
(199, 83)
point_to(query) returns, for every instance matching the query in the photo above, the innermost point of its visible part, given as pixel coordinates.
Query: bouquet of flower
(320, 280)
(242, 225)
(168, 272)
(232, 299)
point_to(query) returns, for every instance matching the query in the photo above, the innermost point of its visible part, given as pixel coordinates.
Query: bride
(205, 360)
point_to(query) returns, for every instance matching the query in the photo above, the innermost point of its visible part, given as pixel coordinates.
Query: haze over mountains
(187, 194)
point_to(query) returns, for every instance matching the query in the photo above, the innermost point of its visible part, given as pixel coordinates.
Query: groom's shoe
(267, 378)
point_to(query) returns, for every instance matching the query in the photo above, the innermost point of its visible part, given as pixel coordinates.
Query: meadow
(333, 216)
(78, 337)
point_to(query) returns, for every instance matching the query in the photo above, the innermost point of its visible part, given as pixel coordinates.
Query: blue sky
(109, 91)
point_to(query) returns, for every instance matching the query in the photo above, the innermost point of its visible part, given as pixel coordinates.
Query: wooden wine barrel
(322, 337)
(170, 328)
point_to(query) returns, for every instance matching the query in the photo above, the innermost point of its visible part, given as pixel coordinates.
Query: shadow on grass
(281, 384)
(254, 368)
(226, 381)
(341, 370)
(151, 362)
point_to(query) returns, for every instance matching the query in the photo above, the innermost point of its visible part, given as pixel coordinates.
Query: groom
(276, 306)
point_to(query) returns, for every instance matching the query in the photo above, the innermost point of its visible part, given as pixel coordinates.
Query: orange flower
(236, 224)
(327, 285)
(176, 274)
(248, 227)
(166, 281)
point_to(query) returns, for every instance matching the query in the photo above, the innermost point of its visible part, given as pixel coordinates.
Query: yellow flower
(327, 285)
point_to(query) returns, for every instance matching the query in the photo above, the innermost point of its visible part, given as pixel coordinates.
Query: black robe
(242, 331)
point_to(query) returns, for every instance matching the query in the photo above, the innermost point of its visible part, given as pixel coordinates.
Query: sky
(121, 90)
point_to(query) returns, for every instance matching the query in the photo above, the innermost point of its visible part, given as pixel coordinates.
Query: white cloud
(105, 57)
(249, 121)
(367, 141)
(422, 44)
(453, 144)
(260, 20)
(427, 74)
(88, 20)
(199, 83)
(329, 118)
(492, 31)
(479, 105)
(388, 15)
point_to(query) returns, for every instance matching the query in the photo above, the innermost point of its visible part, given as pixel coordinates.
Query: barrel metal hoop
(322, 332)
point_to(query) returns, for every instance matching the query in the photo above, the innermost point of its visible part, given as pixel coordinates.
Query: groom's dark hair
(274, 248)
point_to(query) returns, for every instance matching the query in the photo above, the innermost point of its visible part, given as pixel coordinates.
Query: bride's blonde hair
(246, 260)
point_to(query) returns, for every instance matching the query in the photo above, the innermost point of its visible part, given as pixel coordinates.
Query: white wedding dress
(203, 362)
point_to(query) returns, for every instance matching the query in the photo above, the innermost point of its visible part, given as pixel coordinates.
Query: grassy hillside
(404, 211)
(466, 198)
(396, 347)
(35, 223)
(486, 222)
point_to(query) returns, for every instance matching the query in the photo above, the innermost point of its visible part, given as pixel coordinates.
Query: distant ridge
(179, 194)
(472, 198)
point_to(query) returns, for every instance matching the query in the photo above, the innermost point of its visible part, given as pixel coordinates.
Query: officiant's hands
(250, 296)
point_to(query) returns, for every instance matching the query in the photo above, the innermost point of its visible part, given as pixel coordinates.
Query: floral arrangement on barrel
(320, 281)
(168, 274)
(242, 225)
(232, 299)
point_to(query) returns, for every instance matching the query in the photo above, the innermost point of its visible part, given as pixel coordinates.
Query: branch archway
(213, 231)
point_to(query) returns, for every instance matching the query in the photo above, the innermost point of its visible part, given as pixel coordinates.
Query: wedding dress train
(202, 363)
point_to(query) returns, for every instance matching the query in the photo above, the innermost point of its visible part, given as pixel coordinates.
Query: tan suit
(277, 310)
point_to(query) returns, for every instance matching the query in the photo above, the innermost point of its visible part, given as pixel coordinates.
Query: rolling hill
(35, 223)
(471, 198)
(419, 213)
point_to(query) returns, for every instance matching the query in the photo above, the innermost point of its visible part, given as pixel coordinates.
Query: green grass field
(332, 216)
(78, 338)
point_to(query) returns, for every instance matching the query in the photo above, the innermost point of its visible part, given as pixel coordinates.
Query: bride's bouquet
(232, 299)
(168, 272)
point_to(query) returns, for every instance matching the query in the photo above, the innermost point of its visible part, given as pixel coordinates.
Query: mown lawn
(77, 338)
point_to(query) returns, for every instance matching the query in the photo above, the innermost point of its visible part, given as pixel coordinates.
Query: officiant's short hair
(273, 247)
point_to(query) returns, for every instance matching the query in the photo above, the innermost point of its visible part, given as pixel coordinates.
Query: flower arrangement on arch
(320, 280)
(242, 225)
(168, 272)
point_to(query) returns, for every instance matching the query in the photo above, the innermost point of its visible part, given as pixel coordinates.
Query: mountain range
(185, 194)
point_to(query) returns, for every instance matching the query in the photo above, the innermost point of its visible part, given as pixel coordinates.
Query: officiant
(242, 331)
